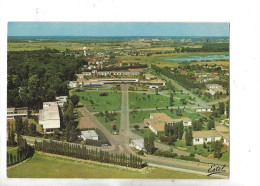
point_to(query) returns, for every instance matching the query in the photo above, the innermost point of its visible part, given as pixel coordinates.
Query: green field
(45, 166)
(109, 124)
(139, 116)
(158, 59)
(100, 103)
(142, 100)
(225, 156)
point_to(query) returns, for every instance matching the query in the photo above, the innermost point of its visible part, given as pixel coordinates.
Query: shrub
(103, 94)
(188, 158)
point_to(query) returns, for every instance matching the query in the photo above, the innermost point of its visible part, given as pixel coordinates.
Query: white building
(204, 109)
(49, 117)
(61, 100)
(15, 112)
(85, 51)
(137, 144)
(73, 84)
(89, 134)
(199, 137)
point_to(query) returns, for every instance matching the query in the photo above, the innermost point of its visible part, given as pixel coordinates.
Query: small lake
(200, 58)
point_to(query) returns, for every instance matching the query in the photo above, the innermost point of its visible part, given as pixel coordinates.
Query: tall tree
(221, 108)
(171, 99)
(227, 109)
(74, 99)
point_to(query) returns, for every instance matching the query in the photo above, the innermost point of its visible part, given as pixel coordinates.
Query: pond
(200, 58)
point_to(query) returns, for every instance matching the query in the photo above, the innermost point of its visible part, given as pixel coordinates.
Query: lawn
(109, 124)
(94, 102)
(45, 166)
(139, 116)
(225, 156)
(142, 100)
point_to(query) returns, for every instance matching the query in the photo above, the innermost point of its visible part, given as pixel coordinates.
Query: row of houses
(199, 137)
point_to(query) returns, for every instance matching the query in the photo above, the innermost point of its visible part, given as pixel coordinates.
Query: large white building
(49, 117)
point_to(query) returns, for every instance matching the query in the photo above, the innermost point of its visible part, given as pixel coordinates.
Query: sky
(116, 29)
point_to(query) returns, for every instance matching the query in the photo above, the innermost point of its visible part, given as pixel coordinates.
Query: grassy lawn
(44, 166)
(109, 124)
(191, 149)
(139, 100)
(100, 103)
(139, 116)
(225, 156)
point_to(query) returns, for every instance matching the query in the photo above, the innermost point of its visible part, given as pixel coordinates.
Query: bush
(165, 153)
(141, 152)
(103, 94)
(164, 139)
(188, 158)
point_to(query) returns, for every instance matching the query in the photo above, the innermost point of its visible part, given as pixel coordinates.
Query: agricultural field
(62, 46)
(59, 167)
(159, 59)
(139, 116)
(93, 101)
(138, 100)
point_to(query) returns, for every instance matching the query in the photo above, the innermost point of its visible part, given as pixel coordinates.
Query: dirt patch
(86, 123)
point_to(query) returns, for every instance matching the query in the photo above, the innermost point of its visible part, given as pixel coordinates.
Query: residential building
(15, 112)
(213, 88)
(157, 121)
(89, 134)
(49, 117)
(199, 137)
(137, 144)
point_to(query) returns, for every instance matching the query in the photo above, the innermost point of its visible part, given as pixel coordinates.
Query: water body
(200, 58)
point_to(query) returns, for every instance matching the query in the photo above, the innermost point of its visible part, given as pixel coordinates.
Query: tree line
(175, 129)
(82, 152)
(209, 47)
(180, 78)
(24, 151)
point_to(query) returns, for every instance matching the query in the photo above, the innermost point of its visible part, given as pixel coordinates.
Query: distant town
(150, 107)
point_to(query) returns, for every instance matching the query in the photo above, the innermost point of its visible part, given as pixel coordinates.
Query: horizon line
(112, 36)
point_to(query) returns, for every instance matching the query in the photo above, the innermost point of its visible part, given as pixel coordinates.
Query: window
(213, 139)
(197, 140)
(205, 139)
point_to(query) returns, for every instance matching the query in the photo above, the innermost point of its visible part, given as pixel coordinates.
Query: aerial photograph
(122, 100)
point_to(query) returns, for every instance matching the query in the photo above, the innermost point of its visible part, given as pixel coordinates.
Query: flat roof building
(49, 117)
(89, 134)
